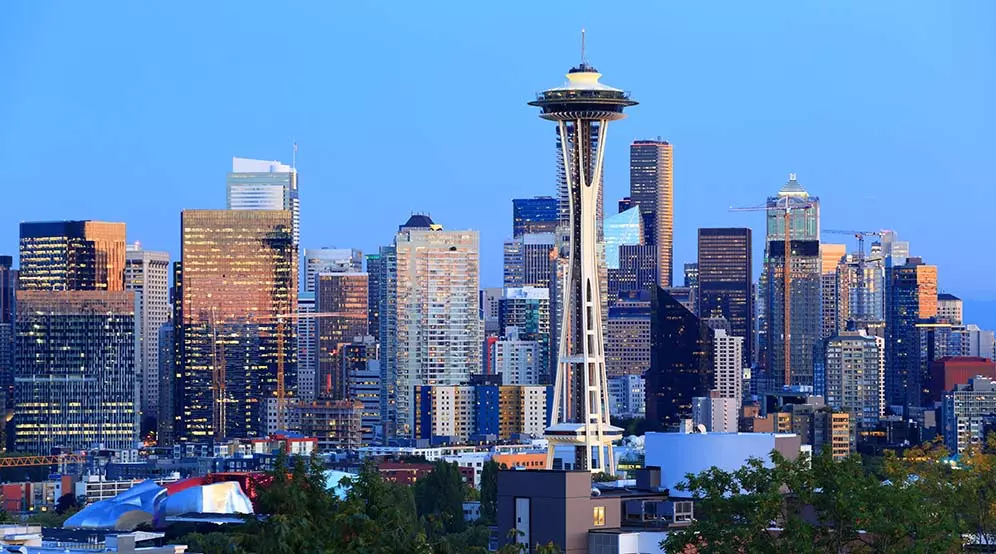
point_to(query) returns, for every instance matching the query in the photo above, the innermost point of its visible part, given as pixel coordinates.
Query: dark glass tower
(680, 361)
(724, 280)
(911, 296)
(651, 187)
(534, 215)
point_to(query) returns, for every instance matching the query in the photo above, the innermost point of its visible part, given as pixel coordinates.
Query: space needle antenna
(582, 46)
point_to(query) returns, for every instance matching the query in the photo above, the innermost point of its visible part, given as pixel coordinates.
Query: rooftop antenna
(294, 157)
(582, 46)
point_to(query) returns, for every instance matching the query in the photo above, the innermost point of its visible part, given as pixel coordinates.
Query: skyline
(88, 123)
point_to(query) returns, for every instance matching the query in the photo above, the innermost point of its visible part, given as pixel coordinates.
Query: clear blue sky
(131, 111)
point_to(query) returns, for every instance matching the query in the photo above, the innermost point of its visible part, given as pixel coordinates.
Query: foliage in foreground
(923, 505)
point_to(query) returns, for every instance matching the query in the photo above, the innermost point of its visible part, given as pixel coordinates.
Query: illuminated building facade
(238, 274)
(534, 215)
(437, 339)
(911, 296)
(344, 297)
(74, 373)
(651, 187)
(72, 255)
(723, 277)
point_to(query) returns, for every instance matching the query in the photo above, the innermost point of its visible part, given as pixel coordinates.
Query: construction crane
(280, 320)
(62, 460)
(861, 284)
(784, 206)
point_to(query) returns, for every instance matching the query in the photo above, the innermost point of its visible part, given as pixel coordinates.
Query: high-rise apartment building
(516, 360)
(723, 277)
(622, 228)
(330, 260)
(680, 364)
(855, 373)
(437, 332)
(72, 255)
(950, 308)
(387, 306)
(146, 273)
(490, 299)
(627, 396)
(342, 299)
(911, 296)
(74, 371)
(462, 411)
(791, 351)
(534, 215)
(265, 185)
(727, 360)
(627, 342)
(528, 310)
(964, 412)
(361, 360)
(651, 186)
(237, 282)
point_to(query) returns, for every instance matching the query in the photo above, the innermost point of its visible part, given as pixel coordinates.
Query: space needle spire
(582, 109)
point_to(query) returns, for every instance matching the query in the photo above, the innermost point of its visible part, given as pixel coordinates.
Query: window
(599, 514)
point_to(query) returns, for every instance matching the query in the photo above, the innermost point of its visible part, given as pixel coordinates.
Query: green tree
(489, 492)
(439, 497)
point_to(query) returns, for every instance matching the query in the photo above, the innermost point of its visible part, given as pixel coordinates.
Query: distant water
(981, 313)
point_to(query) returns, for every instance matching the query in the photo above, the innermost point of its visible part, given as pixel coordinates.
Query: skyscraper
(75, 371)
(238, 278)
(637, 270)
(530, 260)
(146, 273)
(680, 364)
(911, 296)
(534, 215)
(724, 278)
(793, 327)
(651, 186)
(72, 255)
(265, 185)
(949, 308)
(516, 360)
(437, 339)
(307, 348)
(375, 272)
(727, 397)
(345, 295)
(8, 284)
(831, 256)
(330, 260)
(622, 228)
(582, 109)
(627, 343)
(387, 306)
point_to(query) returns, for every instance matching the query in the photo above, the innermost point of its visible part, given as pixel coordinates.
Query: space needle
(582, 109)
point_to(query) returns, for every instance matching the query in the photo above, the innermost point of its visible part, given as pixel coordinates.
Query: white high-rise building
(330, 260)
(265, 185)
(437, 339)
(307, 364)
(147, 274)
(517, 360)
(855, 376)
(950, 308)
(727, 353)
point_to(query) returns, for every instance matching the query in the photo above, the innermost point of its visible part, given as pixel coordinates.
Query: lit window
(599, 516)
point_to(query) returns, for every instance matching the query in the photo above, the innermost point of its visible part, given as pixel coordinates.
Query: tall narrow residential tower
(582, 109)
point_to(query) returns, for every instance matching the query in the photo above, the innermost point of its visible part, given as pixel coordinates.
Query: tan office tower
(147, 274)
(651, 186)
(235, 327)
(437, 340)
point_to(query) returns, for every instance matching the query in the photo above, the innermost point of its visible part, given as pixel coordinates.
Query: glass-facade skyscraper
(651, 186)
(622, 228)
(330, 260)
(238, 277)
(724, 280)
(74, 371)
(345, 295)
(72, 255)
(534, 215)
(265, 185)
(911, 298)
